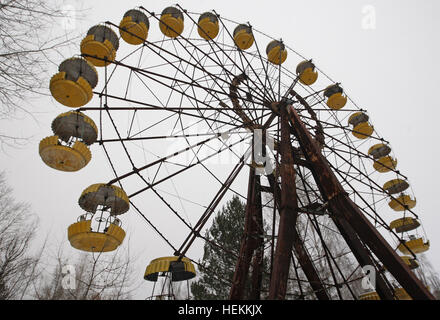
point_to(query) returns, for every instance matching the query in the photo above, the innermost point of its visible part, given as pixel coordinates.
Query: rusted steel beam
(340, 203)
(257, 263)
(319, 131)
(288, 215)
(303, 256)
(248, 242)
(233, 95)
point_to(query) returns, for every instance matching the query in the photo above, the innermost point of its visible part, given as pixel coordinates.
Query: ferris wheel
(189, 104)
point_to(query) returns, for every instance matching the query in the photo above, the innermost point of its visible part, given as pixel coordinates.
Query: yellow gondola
(208, 26)
(401, 294)
(82, 237)
(379, 150)
(68, 149)
(134, 27)
(179, 270)
(100, 45)
(99, 230)
(109, 196)
(410, 262)
(276, 52)
(369, 296)
(402, 203)
(64, 158)
(416, 245)
(383, 161)
(243, 36)
(385, 164)
(306, 72)
(395, 186)
(72, 85)
(404, 224)
(361, 128)
(335, 98)
(171, 22)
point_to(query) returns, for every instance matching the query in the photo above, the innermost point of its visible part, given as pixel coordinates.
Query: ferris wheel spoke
(343, 175)
(242, 69)
(152, 225)
(174, 136)
(265, 66)
(152, 76)
(186, 168)
(377, 218)
(186, 61)
(136, 170)
(352, 151)
(147, 107)
(331, 260)
(246, 64)
(211, 207)
(134, 206)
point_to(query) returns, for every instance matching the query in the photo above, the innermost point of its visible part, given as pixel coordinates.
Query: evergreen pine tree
(218, 266)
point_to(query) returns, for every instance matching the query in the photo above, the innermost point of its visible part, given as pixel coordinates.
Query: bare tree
(17, 229)
(428, 275)
(29, 39)
(97, 276)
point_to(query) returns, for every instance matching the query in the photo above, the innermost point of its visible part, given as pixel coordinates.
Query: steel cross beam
(340, 203)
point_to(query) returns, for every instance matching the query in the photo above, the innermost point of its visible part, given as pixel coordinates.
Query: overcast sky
(387, 65)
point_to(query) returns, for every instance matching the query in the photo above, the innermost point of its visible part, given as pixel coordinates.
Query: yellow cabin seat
(411, 262)
(395, 186)
(64, 158)
(361, 128)
(134, 27)
(180, 270)
(100, 45)
(82, 238)
(379, 150)
(72, 85)
(385, 164)
(402, 203)
(404, 224)
(369, 296)
(243, 36)
(208, 26)
(306, 73)
(276, 52)
(401, 294)
(335, 98)
(171, 22)
(416, 245)
(61, 151)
